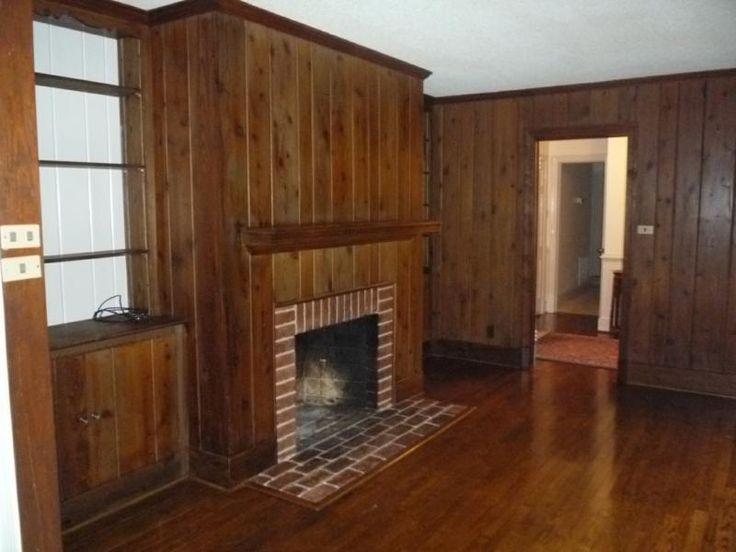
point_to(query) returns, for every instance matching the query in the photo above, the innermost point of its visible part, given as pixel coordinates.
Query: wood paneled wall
(680, 284)
(29, 374)
(259, 128)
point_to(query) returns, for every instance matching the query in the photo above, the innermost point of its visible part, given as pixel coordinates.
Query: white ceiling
(491, 45)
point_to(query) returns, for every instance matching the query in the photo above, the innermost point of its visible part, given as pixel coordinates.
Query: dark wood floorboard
(558, 458)
(568, 323)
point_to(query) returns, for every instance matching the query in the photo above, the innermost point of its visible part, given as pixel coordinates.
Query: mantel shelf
(280, 239)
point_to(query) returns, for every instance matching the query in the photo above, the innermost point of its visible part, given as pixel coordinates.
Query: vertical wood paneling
(505, 175)
(679, 322)
(209, 253)
(714, 228)
(360, 133)
(175, 90)
(322, 137)
(461, 247)
(28, 370)
(133, 369)
(687, 206)
(72, 444)
(166, 396)
(388, 146)
(483, 218)
(258, 76)
(640, 257)
(276, 130)
(664, 217)
(451, 191)
(233, 128)
(100, 401)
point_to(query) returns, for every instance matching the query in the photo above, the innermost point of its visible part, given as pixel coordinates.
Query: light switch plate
(645, 229)
(20, 236)
(21, 268)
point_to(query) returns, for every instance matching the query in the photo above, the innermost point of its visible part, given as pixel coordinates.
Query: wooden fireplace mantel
(280, 239)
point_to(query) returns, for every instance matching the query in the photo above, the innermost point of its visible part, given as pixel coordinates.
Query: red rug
(601, 352)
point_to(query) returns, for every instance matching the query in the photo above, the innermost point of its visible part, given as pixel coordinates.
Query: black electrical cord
(119, 313)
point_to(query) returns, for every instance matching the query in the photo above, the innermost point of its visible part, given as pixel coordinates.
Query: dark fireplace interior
(336, 378)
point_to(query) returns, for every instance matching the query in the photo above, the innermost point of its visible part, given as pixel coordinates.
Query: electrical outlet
(20, 236)
(645, 229)
(21, 268)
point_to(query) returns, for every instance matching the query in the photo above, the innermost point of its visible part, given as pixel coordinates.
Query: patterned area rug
(601, 352)
(330, 468)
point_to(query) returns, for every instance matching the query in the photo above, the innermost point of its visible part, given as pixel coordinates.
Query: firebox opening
(336, 378)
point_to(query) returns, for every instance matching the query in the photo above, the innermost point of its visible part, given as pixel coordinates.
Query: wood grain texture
(580, 465)
(118, 409)
(681, 172)
(282, 24)
(29, 372)
(270, 141)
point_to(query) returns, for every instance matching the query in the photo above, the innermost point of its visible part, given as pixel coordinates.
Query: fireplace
(336, 377)
(333, 362)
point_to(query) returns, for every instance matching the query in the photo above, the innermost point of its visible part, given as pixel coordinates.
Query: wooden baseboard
(110, 497)
(476, 352)
(227, 472)
(689, 381)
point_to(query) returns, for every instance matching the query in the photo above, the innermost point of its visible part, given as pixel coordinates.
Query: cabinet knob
(83, 419)
(95, 416)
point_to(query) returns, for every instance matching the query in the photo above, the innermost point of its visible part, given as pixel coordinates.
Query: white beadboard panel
(112, 74)
(120, 265)
(54, 294)
(82, 209)
(111, 279)
(74, 210)
(114, 130)
(67, 52)
(41, 47)
(78, 290)
(117, 208)
(98, 133)
(45, 122)
(70, 126)
(100, 214)
(75, 289)
(50, 227)
(94, 57)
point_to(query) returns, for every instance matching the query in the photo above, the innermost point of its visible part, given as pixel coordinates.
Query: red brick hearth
(314, 314)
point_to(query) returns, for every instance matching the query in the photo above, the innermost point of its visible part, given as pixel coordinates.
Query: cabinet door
(103, 461)
(166, 372)
(135, 405)
(85, 428)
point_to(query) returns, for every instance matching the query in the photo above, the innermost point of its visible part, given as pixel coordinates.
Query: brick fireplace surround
(314, 314)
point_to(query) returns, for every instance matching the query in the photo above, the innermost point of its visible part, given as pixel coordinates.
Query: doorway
(581, 221)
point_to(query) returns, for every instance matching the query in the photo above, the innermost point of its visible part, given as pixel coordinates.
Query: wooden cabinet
(119, 420)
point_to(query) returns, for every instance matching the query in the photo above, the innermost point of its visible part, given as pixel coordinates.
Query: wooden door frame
(530, 213)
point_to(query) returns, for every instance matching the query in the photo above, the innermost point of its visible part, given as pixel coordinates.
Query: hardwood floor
(558, 458)
(584, 300)
(567, 323)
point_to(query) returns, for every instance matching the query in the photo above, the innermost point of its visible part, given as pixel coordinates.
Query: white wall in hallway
(612, 151)
(82, 209)
(614, 219)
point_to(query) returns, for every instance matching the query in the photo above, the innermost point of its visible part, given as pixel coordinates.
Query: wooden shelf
(81, 85)
(88, 165)
(90, 255)
(63, 337)
(279, 239)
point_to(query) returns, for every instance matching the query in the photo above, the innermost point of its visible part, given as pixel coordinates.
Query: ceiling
(492, 45)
